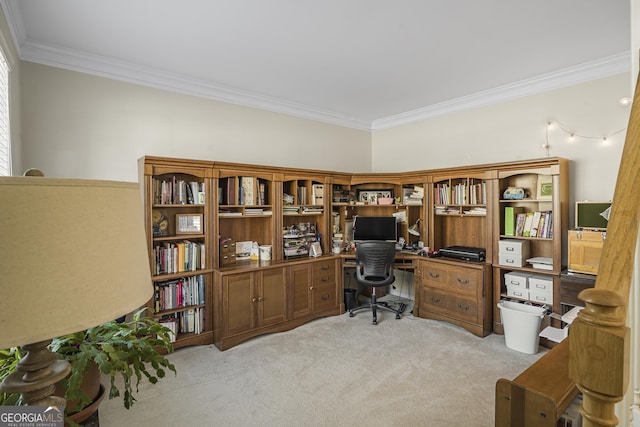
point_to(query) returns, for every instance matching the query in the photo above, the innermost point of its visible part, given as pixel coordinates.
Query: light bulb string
(551, 124)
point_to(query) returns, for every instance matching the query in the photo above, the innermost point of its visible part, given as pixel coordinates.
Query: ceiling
(365, 64)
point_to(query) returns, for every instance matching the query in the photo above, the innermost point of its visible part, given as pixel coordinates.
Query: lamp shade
(73, 255)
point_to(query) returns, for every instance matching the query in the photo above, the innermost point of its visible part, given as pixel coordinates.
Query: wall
(80, 125)
(516, 130)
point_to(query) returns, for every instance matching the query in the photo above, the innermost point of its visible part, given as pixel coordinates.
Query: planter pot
(90, 386)
(89, 410)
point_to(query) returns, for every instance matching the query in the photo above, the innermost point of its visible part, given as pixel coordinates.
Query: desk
(403, 260)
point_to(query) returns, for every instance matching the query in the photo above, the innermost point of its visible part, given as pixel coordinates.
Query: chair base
(374, 304)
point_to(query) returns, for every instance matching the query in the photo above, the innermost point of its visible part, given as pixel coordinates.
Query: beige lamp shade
(73, 255)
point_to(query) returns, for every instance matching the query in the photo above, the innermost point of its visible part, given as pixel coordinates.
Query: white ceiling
(366, 64)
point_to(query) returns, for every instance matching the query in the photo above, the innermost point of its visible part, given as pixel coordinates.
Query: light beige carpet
(336, 371)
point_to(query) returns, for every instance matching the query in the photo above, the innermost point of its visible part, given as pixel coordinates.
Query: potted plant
(131, 350)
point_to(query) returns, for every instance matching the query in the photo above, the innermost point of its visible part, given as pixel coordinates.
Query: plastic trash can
(521, 323)
(350, 298)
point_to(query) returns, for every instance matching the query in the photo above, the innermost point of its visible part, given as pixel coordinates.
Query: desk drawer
(452, 278)
(460, 308)
(324, 297)
(324, 273)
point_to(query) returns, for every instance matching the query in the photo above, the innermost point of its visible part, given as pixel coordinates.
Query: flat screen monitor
(375, 228)
(592, 215)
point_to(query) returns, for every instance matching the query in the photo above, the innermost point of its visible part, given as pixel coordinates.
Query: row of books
(412, 196)
(317, 195)
(181, 292)
(177, 192)
(460, 194)
(188, 321)
(528, 224)
(250, 191)
(176, 257)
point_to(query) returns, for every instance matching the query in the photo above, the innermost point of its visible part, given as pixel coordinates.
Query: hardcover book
(510, 219)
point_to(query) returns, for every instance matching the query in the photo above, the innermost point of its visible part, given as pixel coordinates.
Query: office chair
(374, 268)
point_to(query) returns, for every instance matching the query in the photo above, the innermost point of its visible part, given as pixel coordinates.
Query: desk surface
(404, 260)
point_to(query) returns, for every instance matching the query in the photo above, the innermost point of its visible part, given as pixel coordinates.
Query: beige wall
(516, 130)
(78, 125)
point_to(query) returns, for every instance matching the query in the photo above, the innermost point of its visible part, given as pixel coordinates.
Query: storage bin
(542, 284)
(514, 247)
(510, 260)
(516, 279)
(517, 292)
(541, 297)
(521, 325)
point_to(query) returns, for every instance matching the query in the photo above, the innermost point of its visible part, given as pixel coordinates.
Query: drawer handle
(463, 282)
(324, 267)
(434, 276)
(510, 249)
(434, 299)
(325, 297)
(324, 279)
(463, 307)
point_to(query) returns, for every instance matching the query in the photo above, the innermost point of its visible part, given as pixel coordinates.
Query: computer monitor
(375, 228)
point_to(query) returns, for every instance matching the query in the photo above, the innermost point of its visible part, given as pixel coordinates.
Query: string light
(573, 135)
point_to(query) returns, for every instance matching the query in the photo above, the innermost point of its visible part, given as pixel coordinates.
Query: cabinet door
(272, 296)
(300, 289)
(237, 303)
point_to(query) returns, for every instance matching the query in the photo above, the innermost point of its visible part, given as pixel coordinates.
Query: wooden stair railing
(598, 358)
(599, 339)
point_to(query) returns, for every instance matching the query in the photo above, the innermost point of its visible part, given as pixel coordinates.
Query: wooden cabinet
(456, 292)
(538, 189)
(178, 254)
(314, 288)
(273, 297)
(253, 299)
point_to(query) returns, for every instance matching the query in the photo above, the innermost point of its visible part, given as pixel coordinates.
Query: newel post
(599, 355)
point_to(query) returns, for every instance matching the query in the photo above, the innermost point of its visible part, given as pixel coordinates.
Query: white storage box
(513, 252)
(517, 292)
(510, 260)
(515, 247)
(541, 284)
(516, 280)
(541, 297)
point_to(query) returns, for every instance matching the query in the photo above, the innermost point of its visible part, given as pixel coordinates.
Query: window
(5, 142)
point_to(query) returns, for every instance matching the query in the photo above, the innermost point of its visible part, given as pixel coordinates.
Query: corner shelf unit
(552, 244)
(180, 264)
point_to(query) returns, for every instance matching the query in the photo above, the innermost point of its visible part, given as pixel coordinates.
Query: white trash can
(521, 325)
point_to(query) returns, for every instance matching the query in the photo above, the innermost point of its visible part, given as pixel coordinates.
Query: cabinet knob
(254, 299)
(260, 299)
(310, 288)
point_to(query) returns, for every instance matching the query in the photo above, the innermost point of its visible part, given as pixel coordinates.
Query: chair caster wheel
(350, 314)
(375, 322)
(397, 316)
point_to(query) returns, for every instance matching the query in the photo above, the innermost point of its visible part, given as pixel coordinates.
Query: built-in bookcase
(177, 196)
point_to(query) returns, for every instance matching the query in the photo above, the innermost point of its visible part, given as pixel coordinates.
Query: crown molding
(612, 65)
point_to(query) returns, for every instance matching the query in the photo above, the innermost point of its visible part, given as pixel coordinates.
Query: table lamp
(415, 228)
(73, 255)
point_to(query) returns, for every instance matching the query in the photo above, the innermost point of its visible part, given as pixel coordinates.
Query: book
(510, 219)
(526, 232)
(248, 194)
(535, 224)
(520, 220)
(317, 194)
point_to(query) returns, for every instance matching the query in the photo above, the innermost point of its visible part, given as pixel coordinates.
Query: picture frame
(371, 196)
(545, 187)
(315, 249)
(189, 224)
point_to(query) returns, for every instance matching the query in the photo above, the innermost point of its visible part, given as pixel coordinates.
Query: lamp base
(36, 375)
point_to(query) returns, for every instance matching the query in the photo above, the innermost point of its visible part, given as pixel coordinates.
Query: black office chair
(374, 268)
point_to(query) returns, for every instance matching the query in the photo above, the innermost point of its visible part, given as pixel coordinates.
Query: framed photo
(371, 196)
(315, 249)
(189, 224)
(545, 187)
